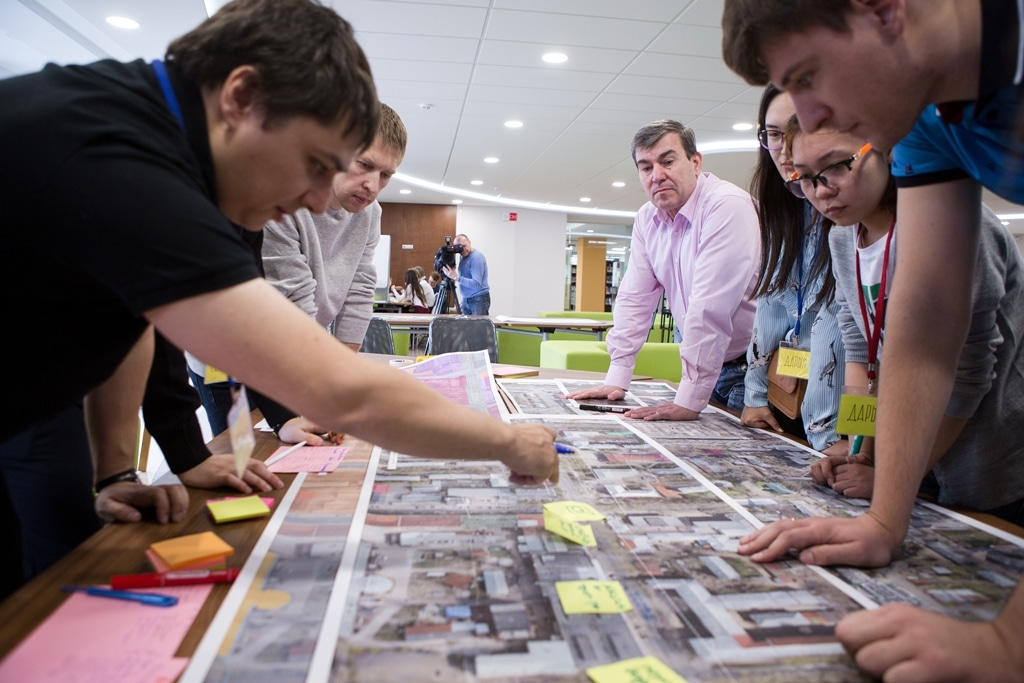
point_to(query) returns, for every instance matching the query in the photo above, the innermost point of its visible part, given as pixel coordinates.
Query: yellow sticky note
(857, 414)
(185, 550)
(574, 511)
(577, 533)
(237, 508)
(592, 597)
(794, 363)
(213, 375)
(636, 670)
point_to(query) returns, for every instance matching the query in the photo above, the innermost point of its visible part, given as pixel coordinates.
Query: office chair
(378, 338)
(462, 333)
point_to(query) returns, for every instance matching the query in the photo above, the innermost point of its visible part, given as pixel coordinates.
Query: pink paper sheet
(92, 639)
(310, 459)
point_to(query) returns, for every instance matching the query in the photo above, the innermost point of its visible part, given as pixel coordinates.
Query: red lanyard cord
(874, 334)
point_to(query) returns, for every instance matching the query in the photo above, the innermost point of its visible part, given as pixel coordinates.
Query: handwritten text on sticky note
(592, 597)
(577, 533)
(637, 670)
(574, 511)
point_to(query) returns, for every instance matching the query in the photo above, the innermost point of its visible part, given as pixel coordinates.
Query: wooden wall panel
(424, 226)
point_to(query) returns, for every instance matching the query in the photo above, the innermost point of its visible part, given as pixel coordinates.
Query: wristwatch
(128, 475)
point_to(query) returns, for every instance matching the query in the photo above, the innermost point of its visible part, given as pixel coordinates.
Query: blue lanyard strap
(165, 85)
(800, 285)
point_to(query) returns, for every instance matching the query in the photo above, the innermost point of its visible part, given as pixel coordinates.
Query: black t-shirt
(109, 211)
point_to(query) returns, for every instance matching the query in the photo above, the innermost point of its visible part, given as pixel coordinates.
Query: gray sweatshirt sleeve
(976, 367)
(354, 318)
(844, 267)
(285, 264)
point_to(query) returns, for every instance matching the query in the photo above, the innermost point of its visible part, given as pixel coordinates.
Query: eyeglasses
(771, 139)
(805, 184)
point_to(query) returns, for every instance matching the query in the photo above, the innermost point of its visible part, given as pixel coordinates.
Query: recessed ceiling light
(456, 201)
(122, 22)
(584, 199)
(405, 192)
(476, 182)
(590, 231)
(618, 183)
(513, 124)
(555, 57)
(742, 126)
(490, 160)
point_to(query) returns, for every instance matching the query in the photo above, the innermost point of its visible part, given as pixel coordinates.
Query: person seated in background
(795, 293)
(428, 291)
(697, 241)
(413, 292)
(434, 280)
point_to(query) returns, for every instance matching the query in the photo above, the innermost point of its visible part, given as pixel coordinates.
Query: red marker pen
(182, 578)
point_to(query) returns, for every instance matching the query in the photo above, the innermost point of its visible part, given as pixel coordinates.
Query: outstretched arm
(265, 341)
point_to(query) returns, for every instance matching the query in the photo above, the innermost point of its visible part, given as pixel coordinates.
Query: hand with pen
(303, 430)
(533, 457)
(852, 474)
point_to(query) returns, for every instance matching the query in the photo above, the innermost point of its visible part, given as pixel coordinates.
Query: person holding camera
(471, 277)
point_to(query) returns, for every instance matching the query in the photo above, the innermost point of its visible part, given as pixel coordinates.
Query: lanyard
(800, 286)
(874, 334)
(165, 85)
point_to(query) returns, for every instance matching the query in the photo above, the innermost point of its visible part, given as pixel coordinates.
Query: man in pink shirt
(697, 239)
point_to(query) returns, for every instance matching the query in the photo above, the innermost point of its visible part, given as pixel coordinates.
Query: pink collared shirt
(706, 259)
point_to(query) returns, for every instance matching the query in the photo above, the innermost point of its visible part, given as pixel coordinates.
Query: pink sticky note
(98, 639)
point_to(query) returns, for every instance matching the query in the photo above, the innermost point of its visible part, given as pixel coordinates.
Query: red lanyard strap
(874, 333)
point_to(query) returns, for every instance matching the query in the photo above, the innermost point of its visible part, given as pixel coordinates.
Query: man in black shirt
(247, 118)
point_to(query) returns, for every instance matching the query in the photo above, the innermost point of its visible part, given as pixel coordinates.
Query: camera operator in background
(471, 278)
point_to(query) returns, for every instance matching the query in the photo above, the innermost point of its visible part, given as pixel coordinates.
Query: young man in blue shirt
(939, 83)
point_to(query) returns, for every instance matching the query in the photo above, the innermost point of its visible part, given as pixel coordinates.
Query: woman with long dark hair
(796, 306)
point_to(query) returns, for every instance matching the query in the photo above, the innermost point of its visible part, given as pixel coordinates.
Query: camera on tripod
(445, 255)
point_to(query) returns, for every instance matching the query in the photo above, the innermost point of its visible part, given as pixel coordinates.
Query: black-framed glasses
(771, 139)
(807, 183)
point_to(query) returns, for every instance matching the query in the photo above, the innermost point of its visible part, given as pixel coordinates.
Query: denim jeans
(729, 388)
(46, 499)
(477, 305)
(216, 399)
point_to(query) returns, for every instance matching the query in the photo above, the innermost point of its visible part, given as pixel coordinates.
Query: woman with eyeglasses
(796, 309)
(975, 459)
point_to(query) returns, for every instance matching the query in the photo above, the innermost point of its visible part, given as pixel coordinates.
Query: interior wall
(525, 257)
(422, 227)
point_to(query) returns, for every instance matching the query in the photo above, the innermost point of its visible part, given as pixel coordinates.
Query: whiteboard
(382, 261)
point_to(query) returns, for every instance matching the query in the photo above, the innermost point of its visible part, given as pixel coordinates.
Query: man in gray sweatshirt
(324, 263)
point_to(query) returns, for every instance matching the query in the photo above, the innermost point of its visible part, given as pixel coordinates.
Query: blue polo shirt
(982, 139)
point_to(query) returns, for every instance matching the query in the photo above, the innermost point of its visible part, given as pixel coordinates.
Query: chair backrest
(462, 333)
(378, 338)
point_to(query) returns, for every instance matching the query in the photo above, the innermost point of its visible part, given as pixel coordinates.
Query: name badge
(794, 362)
(857, 415)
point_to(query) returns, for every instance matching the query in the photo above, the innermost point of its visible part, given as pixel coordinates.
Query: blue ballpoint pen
(154, 599)
(561, 448)
(855, 447)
